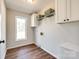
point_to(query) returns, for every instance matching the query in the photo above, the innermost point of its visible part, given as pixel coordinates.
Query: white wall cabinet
(34, 21)
(67, 11)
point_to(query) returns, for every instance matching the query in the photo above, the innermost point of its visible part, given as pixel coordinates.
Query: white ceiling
(25, 6)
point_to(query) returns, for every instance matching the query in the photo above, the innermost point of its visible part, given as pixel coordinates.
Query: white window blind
(20, 28)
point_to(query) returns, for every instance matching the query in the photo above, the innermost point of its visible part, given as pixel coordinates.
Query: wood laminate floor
(28, 52)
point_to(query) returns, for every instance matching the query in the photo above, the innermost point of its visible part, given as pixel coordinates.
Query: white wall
(11, 41)
(3, 29)
(56, 35)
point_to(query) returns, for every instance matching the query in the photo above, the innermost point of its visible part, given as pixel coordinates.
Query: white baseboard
(50, 53)
(47, 51)
(20, 45)
(37, 44)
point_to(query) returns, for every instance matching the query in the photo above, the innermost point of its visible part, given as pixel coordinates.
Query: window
(20, 28)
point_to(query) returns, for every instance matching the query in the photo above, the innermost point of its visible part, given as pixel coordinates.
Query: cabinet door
(74, 10)
(61, 10)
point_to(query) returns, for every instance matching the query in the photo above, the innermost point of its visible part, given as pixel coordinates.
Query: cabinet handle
(64, 20)
(67, 19)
